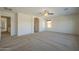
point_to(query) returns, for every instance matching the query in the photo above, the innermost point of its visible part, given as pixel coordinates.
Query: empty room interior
(39, 29)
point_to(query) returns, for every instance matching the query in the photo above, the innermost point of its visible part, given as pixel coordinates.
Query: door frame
(34, 23)
(7, 22)
(13, 19)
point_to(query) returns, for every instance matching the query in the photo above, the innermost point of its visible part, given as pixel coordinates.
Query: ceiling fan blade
(51, 13)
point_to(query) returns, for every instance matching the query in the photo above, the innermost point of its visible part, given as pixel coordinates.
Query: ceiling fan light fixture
(49, 21)
(46, 14)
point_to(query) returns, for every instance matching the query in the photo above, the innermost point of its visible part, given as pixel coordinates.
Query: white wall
(24, 24)
(13, 21)
(65, 24)
(41, 24)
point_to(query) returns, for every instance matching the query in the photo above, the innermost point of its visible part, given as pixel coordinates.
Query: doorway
(5, 27)
(36, 24)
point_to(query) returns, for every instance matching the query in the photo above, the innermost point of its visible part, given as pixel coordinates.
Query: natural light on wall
(49, 24)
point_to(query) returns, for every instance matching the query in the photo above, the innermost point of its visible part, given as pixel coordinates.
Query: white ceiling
(36, 10)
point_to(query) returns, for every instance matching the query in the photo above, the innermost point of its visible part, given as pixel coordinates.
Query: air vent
(6, 8)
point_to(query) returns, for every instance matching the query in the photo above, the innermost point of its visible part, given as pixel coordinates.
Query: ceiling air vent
(8, 9)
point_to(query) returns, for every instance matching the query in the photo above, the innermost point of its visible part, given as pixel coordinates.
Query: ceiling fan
(46, 13)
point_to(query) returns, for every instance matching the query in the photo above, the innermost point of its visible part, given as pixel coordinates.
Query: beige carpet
(43, 41)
